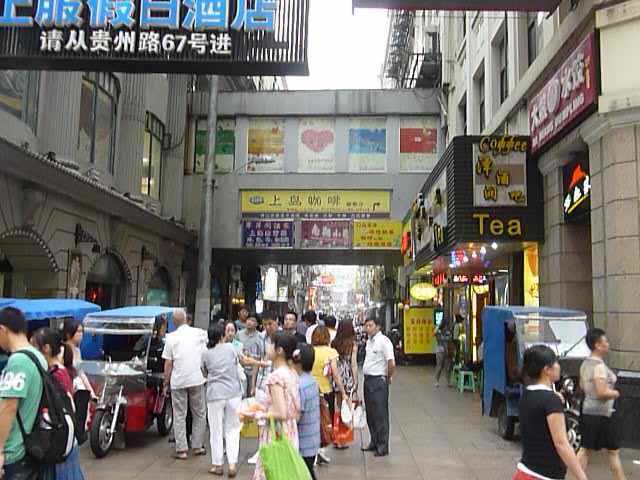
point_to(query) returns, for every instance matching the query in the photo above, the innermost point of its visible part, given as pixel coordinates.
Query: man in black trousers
(378, 369)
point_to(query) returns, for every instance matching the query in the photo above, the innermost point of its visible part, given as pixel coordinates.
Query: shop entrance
(106, 283)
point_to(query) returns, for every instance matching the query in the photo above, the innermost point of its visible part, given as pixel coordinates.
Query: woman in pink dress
(282, 402)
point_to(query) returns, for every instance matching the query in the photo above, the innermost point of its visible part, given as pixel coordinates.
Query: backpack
(52, 437)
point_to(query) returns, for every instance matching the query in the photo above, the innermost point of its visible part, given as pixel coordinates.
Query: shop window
(462, 116)
(152, 157)
(98, 116)
(504, 78)
(19, 91)
(481, 103)
(534, 35)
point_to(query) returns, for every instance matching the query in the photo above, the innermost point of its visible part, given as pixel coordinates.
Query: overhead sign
(569, 92)
(325, 234)
(577, 191)
(419, 331)
(377, 234)
(231, 37)
(476, 5)
(316, 203)
(267, 234)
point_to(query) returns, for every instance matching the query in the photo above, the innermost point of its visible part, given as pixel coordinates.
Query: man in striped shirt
(309, 422)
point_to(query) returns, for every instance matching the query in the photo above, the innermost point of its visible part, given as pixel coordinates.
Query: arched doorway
(106, 283)
(160, 288)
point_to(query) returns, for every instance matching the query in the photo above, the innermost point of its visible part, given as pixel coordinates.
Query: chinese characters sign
(419, 331)
(418, 144)
(500, 172)
(570, 92)
(316, 147)
(368, 145)
(266, 146)
(205, 36)
(577, 191)
(487, 5)
(317, 203)
(325, 234)
(379, 234)
(267, 234)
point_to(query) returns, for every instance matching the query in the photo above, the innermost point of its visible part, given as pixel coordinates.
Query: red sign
(418, 140)
(325, 234)
(565, 96)
(439, 279)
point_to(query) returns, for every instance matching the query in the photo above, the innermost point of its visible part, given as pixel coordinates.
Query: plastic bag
(280, 460)
(359, 417)
(342, 433)
(346, 413)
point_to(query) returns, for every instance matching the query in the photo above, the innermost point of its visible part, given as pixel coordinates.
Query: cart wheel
(100, 437)
(165, 419)
(506, 424)
(573, 430)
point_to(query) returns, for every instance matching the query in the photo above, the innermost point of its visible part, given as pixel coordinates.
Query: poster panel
(316, 146)
(377, 234)
(225, 146)
(266, 146)
(419, 331)
(368, 145)
(325, 234)
(418, 144)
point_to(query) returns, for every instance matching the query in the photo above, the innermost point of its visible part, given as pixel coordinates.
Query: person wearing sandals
(345, 345)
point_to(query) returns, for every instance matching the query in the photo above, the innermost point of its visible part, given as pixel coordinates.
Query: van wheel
(573, 430)
(100, 437)
(506, 424)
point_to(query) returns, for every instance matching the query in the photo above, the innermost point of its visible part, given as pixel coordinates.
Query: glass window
(98, 116)
(504, 80)
(19, 95)
(152, 157)
(481, 111)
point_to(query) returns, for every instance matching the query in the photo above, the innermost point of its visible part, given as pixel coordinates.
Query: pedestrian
(443, 340)
(290, 326)
(282, 397)
(244, 361)
(325, 368)
(253, 347)
(182, 353)
(20, 394)
(309, 421)
(378, 369)
(311, 319)
(301, 327)
(243, 316)
(224, 398)
(546, 451)
(345, 345)
(49, 343)
(597, 421)
(331, 323)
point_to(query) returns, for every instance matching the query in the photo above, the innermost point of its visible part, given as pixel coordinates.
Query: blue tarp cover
(51, 308)
(145, 311)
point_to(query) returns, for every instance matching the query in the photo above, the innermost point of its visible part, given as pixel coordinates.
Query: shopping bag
(326, 424)
(280, 460)
(346, 413)
(359, 417)
(342, 433)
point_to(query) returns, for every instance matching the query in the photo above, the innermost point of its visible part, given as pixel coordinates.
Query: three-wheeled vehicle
(122, 348)
(507, 333)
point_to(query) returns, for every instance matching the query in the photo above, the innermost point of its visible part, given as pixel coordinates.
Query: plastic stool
(466, 381)
(455, 375)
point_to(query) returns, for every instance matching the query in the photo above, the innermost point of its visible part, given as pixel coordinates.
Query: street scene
(317, 239)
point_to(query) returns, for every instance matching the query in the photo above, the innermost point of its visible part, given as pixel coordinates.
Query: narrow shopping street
(435, 435)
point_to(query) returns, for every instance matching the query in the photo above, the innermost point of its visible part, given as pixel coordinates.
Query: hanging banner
(316, 146)
(325, 234)
(225, 146)
(266, 146)
(377, 234)
(419, 331)
(368, 145)
(418, 144)
(267, 234)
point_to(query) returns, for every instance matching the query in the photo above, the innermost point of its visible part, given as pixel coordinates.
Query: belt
(375, 376)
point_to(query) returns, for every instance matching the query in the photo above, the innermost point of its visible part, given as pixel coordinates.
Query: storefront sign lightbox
(576, 189)
(325, 234)
(377, 234)
(268, 234)
(419, 331)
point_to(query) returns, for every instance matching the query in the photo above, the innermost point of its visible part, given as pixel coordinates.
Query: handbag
(342, 432)
(326, 427)
(359, 416)
(280, 460)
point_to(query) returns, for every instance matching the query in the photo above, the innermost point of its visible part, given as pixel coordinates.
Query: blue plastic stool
(466, 381)
(455, 374)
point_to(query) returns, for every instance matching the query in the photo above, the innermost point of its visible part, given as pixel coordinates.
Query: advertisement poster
(500, 172)
(418, 144)
(325, 234)
(368, 145)
(225, 146)
(419, 331)
(379, 234)
(266, 146)
(316, 146)
(267, 234)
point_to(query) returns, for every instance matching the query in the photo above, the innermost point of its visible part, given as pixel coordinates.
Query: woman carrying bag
(345, 345)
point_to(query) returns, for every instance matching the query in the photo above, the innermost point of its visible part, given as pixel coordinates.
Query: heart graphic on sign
(317, 140)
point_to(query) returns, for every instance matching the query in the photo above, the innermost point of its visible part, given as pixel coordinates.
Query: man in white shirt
(378, 369)
(182, 370)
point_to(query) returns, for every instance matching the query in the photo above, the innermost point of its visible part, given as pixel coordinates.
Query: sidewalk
(436, 434)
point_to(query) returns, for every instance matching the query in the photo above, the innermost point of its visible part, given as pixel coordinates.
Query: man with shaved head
(182, 353)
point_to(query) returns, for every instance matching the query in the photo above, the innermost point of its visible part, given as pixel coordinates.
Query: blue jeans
(26, 470)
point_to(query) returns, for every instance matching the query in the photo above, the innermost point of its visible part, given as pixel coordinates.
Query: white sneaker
(437, 384)
(253, 460)
(322, 458)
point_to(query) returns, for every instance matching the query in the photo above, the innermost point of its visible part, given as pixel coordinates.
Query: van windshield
(565, 337)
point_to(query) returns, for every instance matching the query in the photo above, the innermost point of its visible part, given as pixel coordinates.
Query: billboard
(419, 331)
(418, 144)
(488, 5)
(317, 147)
(368, 145)
(325, 234)
(268, 234)
(377, 234)
(266, 146)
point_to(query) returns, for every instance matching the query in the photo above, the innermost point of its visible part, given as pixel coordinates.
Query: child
(309, 422)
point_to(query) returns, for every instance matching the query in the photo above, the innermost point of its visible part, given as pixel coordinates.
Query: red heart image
(317, 140)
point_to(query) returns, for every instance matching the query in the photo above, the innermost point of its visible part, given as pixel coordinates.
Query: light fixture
(407, 306)
(457, 263)
(494, 245)
(423, 291)
(465, 259)
(474, 255)
(483, 251)
(400, 305)
(452, 265)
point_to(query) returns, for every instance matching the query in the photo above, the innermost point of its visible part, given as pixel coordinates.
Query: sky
(346, 50)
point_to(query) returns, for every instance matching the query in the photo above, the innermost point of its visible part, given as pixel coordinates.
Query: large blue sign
(267, 234)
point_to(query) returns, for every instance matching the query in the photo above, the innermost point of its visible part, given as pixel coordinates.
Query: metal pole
(205, 244)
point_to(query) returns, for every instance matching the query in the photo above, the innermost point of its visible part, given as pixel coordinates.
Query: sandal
(216, 471)
(181, 455)
(233, 471)
(198, 452)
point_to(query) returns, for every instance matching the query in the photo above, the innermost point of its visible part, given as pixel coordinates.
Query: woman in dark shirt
(546, 452)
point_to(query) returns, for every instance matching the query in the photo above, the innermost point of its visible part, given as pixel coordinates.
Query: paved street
(435, 435)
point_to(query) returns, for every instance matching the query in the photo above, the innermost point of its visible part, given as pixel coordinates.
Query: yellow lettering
(480, 217)
(496, 227)
(484, 147)
(514, 228)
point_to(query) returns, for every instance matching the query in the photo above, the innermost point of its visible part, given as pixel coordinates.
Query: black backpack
(52, 437)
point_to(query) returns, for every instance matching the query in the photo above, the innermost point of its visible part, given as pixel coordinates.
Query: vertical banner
(418, 144)
(377, 234)
(267, 234)
(266, 146)
(316, 146)
(419, 331)
(325, 234)
(225, 145)
(368, 145)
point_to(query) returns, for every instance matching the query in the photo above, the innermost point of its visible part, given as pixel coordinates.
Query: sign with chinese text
(225, 146)
(319, 203)
(266, 146)
(418, 144)
(570, 92)
(230, 37)
(419, 331)
(368, 145)
(267, 234)
(577, 191)
(500, 172)
(406, 244)
(325, 234)
(457, 5)
(377, 234)
(317, 147)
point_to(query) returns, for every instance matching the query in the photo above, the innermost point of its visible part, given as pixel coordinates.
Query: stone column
(131, 135)
(173, 160)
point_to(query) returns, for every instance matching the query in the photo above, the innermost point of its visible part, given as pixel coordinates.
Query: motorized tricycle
(122, 347)
(507, 333)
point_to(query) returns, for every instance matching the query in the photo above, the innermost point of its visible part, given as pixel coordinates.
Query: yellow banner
(377, 234)
(370, 202)
(419, 331)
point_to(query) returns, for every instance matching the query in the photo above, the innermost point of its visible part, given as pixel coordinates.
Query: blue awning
(52, 308)
(143, 311)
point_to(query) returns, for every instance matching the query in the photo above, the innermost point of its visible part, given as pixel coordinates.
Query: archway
(107, 284)
(160, 288)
